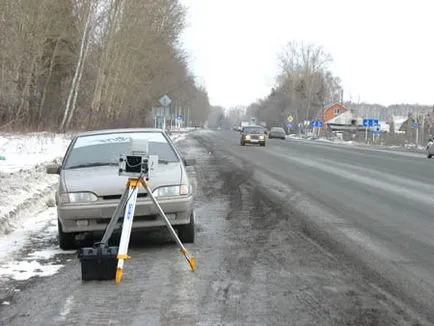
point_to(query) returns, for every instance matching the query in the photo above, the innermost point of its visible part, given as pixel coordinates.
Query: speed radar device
(104, 262)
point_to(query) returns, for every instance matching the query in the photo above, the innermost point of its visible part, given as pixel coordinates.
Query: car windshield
(277, 129)
(105, 149)
(254, 130)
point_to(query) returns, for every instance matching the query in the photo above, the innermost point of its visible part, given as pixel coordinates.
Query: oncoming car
(252, 135)
(90, 187)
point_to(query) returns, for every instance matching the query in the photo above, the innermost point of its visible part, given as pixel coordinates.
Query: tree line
(304, 86)
(79, 64)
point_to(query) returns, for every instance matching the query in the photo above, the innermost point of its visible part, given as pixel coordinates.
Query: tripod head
(136, 163)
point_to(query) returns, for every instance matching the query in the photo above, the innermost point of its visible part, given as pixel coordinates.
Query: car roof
(118, 130)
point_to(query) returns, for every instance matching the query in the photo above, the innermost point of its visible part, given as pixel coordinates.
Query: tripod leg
(184, 251)
(115, 218)
(126, 228)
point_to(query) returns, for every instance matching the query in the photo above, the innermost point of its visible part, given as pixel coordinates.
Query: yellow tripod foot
(192, 263)
(118, 275)
(191, 260)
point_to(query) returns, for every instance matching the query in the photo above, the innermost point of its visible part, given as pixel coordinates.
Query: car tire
(429, 156)
(66, 240)
(243, 143)
(187, 232)
(283, 138)
(262, 144)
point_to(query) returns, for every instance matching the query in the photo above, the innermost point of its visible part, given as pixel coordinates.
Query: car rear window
(106, 148)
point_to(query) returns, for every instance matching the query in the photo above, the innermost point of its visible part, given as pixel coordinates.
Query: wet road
(383, 201)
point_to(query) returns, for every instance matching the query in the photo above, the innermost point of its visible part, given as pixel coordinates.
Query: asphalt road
(261, 257)
(379, 201)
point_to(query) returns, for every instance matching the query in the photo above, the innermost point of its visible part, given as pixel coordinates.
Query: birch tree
(75, 85)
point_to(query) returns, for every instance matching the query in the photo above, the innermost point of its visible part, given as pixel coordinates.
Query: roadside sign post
(179, 120)
(367, 123)
(162, 113)
(415, 125)
(299, 127)
(316, 124)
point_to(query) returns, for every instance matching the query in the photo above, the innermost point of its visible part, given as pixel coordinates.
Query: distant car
(90, 187)
(277, 132)
(252, 135)
(430, 148)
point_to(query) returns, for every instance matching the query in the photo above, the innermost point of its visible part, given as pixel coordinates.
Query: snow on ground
(29, 251)
(336, 140)
(28, 228)
(25, 188)
(22, 172)
(177, 137)
(25, 151)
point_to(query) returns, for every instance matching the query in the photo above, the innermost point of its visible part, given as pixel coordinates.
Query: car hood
(105, 180)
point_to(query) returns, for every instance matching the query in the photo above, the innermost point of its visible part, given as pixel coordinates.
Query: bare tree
(73, 92)
(87, 64)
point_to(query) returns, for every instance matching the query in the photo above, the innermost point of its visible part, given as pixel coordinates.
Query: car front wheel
(66, 240)
(187, 232)
(429, 156)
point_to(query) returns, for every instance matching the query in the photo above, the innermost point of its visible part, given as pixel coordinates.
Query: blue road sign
(179, 117)
(316, 123)
(414, 125)
(370, 122)
(289, 124)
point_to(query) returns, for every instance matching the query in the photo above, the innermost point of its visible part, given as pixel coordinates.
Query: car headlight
(248, 137)
(171, 191)
(261, 137)
(77, 197)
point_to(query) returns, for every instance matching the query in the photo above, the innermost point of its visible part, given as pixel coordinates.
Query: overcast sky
(383, 50)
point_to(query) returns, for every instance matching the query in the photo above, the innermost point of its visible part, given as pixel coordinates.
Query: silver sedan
(90, 187)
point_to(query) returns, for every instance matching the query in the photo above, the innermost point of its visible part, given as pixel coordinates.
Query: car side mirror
(53, 169)
(189, 161)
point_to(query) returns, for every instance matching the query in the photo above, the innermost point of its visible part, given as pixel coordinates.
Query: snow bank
(24, 151)
(23, 180)
(21, 260)
(25, 188)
